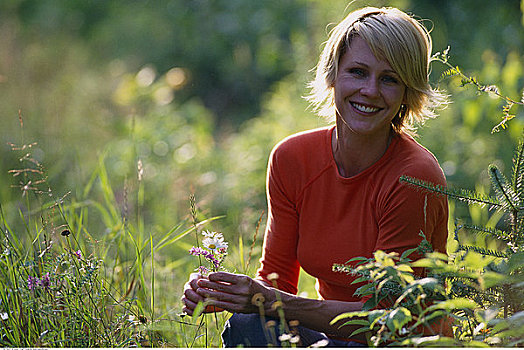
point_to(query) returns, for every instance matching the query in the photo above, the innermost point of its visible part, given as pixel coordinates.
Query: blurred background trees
(200, 91)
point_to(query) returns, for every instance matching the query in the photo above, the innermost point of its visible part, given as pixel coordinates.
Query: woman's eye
(357, 71)
(390, 79)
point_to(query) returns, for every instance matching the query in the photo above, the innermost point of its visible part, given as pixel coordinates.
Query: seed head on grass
(258, 300)
(322, 343)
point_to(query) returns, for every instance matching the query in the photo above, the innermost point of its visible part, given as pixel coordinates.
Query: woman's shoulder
(305, 140)
(303, 155)
(303, 145)
(413, 159)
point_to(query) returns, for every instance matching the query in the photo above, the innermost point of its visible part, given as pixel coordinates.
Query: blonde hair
(395, 37)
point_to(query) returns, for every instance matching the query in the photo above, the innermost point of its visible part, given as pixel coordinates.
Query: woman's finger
(227, 282)
(213, 294)
(193, 295)
(228, 288)
(225, 277)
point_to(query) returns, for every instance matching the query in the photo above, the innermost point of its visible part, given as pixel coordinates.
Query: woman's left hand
(236, 293)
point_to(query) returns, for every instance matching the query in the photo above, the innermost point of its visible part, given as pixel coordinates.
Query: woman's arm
(242, 294)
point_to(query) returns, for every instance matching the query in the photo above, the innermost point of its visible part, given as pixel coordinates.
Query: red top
(317, 218)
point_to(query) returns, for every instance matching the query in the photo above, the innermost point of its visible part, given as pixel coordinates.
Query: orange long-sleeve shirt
(317, 218)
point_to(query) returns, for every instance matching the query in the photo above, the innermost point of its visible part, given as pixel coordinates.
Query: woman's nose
(370, 87)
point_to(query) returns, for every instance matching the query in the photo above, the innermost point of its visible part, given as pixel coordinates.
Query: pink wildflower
(45, 281)
(78, 254)
(32, 282)
(203, 270)
(208, 255)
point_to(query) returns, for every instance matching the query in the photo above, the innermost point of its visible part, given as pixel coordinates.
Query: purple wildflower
(78, 254)
(208, 255)
(32, 282)
(203, 270)
(45, 281)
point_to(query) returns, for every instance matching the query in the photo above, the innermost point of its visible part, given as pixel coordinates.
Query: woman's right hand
(191, 298)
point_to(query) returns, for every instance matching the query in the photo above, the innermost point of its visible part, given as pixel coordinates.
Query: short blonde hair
(395, 37)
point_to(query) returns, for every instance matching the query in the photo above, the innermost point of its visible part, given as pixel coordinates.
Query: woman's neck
(355, 153)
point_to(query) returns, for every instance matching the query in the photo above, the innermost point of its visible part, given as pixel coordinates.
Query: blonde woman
(334, 192)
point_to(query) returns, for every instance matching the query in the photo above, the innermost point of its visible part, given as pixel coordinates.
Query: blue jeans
(248, 330)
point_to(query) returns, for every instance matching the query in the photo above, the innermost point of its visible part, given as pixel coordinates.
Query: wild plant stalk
(252, 247)
(193, 210)
(41, 280)
(443, 57)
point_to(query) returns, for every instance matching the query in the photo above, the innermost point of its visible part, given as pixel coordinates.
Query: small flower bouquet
(214, 251)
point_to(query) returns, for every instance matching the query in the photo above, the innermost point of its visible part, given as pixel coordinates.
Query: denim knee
(244, 330)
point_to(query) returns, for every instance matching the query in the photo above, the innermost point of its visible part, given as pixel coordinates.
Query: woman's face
(368, 92)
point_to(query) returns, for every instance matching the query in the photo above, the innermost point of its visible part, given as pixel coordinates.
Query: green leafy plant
(479, 288)
(452, 70)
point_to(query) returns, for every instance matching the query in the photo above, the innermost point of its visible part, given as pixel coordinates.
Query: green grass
(63, 285)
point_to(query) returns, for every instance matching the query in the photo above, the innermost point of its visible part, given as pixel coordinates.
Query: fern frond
(483, 251)
(459, 194)
(449, 73)
(518, 171)
(506, 196)
(489, 232)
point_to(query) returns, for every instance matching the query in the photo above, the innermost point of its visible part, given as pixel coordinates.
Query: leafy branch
(452, 70)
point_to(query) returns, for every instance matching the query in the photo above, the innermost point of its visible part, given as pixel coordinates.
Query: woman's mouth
(364, 109)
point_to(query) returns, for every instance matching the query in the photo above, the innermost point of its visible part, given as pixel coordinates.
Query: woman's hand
(235, 293)
(191, 297)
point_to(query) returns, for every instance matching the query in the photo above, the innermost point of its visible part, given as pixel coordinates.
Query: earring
(403, 109)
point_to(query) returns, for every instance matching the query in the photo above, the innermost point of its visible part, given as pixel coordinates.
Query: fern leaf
(506, 196)
(459, 194)
(489, 232)
(483, 251)
(449, 73)
(518, 171)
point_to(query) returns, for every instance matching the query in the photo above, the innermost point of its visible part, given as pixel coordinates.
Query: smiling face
(368, 92)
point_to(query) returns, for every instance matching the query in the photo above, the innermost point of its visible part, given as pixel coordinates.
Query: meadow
(116, 154)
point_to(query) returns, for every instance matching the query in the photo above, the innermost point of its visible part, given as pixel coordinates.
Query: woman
(334, 192)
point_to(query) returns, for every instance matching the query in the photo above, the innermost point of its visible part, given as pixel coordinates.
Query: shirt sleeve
(410, 211)
(281, 237)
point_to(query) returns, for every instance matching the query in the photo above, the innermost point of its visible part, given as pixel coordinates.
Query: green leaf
(357, 258)
(164, 242)
(398, 318)
(459, 194)
(440, 341)
(349, 315)
(404, 268)
(358, 322)
(505, 193)
(452, 304)
(407, 253)
(518, 169)
(360, 280)
(358, 331)
(490, 279)
(370, 303)
(375, 315)
(427, 282)
(516, 261)
(365, 290)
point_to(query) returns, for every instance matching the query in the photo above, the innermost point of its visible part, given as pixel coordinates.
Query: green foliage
(478, 287)
(61, 286)
(136, 105)
(489, 89)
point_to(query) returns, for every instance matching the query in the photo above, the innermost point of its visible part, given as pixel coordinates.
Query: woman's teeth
(365, 109)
